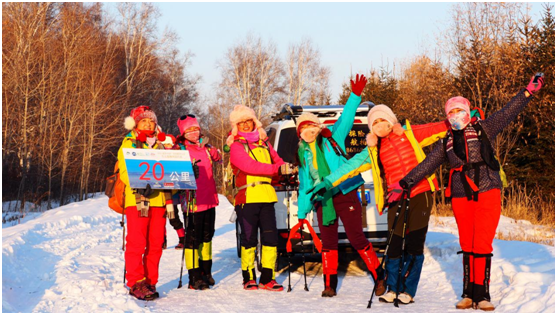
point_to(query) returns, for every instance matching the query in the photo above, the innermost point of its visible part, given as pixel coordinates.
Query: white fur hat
(240, 113)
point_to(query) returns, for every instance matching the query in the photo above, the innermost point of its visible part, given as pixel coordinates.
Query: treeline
(487, 54)
(70, 75)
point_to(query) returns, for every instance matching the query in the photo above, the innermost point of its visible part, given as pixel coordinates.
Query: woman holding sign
(254, 163)
(144, 209)
(201, 223)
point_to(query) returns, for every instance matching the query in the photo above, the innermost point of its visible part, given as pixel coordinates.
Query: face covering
(459, 120)
(309, 134)
(250, 136)
(148, 133)
(382, 129)
(192, 136)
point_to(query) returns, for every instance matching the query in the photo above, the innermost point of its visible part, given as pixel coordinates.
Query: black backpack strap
(486, 149)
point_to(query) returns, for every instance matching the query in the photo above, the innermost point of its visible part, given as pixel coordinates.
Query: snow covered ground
(70, 260)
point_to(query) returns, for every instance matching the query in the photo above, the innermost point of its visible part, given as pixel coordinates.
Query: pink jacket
(206, 194)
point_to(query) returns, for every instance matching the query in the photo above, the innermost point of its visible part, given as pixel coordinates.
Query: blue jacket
(340, 131)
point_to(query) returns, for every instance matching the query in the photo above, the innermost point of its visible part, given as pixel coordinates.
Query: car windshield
(288, 142)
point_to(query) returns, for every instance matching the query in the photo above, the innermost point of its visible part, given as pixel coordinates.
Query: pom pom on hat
(137, 114)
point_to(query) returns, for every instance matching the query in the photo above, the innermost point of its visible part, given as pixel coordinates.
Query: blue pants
(410, 276)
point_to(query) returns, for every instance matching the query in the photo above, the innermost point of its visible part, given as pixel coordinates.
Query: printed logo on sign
(174, 177)
(168, 184)
(133, 153)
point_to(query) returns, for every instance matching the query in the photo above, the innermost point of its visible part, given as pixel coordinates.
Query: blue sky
(350, 36)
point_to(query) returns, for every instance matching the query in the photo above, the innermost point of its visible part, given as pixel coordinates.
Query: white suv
(282, 135)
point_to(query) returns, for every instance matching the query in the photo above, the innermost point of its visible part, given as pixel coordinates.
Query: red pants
(477, 222)
(144, 244)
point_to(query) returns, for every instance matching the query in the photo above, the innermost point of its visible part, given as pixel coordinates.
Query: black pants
(254, 216)
(201, 228)
(416, 227)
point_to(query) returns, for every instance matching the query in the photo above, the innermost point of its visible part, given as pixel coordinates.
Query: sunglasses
(186, 116)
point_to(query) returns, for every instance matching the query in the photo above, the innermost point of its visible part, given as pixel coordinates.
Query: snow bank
(70, 260)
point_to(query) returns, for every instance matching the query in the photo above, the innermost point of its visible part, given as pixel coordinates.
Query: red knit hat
(137, 114)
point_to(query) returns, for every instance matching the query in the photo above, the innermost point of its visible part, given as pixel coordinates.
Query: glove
(395, 193)
(286, 169)
(147, 191)
(196, 169)
(358, 86)
(532, 87)
(318, 190)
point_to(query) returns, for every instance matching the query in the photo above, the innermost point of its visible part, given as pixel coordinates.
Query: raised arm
(344, 124)
(495, 123)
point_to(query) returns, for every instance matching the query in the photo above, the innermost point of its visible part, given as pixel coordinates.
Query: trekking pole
(186, 217)
(192, 195)
(303, 258)
(403, 246)
(124, 242)
(288, 225)
(391, 233)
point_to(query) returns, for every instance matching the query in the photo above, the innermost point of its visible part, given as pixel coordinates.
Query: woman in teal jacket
(320, 151)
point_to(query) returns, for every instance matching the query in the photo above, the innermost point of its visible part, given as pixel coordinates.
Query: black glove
(147, 191)
(196, 169)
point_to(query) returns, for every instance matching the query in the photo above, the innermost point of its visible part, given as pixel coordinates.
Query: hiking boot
(271, 286)
(405, 298)
(328, 292)
(209, 279)
(154, 290)
(388, 297)
(250, 285)
(206, 266)
(141, 291)
(199, 285)
(485, 305)
(464, 304)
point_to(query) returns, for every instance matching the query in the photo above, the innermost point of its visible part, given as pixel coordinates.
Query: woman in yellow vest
(254, 163)
(392, 152)
(145, 210)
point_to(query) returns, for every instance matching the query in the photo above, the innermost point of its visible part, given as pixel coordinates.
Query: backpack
(486, 150)
(115, 190)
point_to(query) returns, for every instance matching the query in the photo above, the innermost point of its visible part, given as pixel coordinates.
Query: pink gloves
(534, 87)
(395, 193)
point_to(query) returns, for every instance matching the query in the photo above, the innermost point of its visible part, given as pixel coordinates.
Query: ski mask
(459, 120)
(382, 129)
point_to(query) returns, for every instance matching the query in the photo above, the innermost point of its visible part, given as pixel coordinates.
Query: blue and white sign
(162, 169)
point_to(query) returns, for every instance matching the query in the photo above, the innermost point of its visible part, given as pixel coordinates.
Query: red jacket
(398, 158)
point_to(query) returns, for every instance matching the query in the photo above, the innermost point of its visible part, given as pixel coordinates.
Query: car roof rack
(290, 111)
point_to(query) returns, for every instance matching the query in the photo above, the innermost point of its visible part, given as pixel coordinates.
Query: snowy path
(69, 260)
